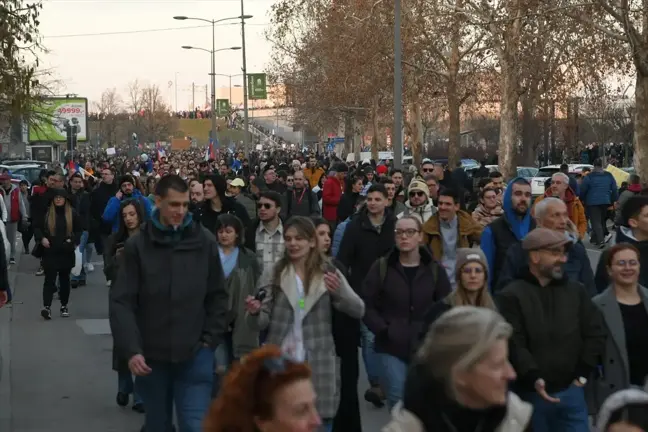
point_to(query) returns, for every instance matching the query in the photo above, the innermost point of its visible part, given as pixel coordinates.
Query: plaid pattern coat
(278, 314)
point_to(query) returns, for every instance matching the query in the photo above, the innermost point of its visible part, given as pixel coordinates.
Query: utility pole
(245, 89)
(176, 91)
(193, 95)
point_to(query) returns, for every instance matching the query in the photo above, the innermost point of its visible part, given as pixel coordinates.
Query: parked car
(544, 173)
(23, 172)
(526, 172)
(12, 162)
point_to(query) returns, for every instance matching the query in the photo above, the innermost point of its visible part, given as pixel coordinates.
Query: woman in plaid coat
(294, 303)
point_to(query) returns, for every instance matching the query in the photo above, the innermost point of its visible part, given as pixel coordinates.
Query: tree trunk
(348, 134)
(454, 129)
(529, 130)
(508, 120)
(416, 124)
(374, 126)
(641, 126)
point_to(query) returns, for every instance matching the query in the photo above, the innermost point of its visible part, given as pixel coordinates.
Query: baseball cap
(237, 182)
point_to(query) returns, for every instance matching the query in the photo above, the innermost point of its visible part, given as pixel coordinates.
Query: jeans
(570, 414)
(598, 216)
(86, 255)
(12, 228)
(187, 384)
(394, 371)
(49, 286)
(369, 356)
(125, 384)
(223, 357)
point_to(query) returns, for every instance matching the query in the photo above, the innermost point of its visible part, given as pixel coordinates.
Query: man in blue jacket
(509, 229)
(126, 190)
(598, 191)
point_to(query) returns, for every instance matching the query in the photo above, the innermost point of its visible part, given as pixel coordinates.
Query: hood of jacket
(483, 212)
(519, 226)
(169, 235)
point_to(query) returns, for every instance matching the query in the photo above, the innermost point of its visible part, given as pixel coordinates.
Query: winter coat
(81, 203)
(577, 268)
(60, 255)
(623, 197)
(313, 175)
(615, 369)
(469, 232)
(98, 201)
(249, 203)
(331, 195)
(338, 235)
(427, 408)
(299, 203)
(395, 308)
(598, 188)
(277, 314)
(575, 210)
(423, 213)
(208, 217)
(484, 217)
(347, 204)
(111, 213)
(169, 299)
(503, 233)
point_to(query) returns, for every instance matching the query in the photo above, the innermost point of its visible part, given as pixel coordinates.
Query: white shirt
(293, 344)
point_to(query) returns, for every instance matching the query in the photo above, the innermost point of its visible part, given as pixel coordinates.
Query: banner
(50, 118)
(222, 107)
(257, 86)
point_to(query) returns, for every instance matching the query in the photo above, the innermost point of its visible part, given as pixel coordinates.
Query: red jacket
(14, 215)
(331, 194)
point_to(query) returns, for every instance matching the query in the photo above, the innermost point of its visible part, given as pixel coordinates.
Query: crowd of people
(242, 287)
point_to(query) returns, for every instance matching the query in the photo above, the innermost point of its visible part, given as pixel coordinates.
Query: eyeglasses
(266, 206)
(428, 169)
(474, 270)
(627, 263)
(416, 193)
(409, 233)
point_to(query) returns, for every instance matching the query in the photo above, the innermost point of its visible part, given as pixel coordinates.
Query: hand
(119, 251)
(540, 388)
(332, 282)
(45, 243)
(4, 298)
(119, 194)
(578, 383)
(252, 305)
(138, 366)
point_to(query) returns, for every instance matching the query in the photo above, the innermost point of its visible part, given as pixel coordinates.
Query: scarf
(228, 262)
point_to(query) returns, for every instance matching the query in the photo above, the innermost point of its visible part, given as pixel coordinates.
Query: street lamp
(397, 133)
(230, 83)
(213, 53)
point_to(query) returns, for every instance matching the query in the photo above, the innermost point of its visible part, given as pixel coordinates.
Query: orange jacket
(575, 210)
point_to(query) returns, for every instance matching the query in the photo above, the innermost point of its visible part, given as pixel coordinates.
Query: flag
(210, 152)
(160, 151)
(73, 166)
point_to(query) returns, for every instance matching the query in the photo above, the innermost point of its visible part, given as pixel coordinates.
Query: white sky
(87, 65)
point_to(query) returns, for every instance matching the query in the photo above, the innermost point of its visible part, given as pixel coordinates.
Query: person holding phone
(58, 235)
(296, 309)
(132, 216)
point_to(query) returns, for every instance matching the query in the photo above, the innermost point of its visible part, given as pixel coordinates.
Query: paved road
(56, 376)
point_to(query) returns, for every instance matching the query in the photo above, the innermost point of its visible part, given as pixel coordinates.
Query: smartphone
(329, 267)
(261, 294)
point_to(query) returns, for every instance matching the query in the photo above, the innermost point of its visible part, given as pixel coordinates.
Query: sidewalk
(60, 377)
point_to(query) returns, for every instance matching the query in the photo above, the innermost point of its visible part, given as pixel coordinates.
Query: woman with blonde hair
(57, 236)
(294, 304)
(266, 392)
(459, 379)
(471, 290)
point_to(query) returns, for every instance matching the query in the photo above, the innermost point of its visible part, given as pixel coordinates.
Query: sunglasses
(266, 206)
(416, 193)
(428, 169)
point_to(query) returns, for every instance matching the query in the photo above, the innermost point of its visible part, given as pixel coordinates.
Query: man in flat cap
(558, 335)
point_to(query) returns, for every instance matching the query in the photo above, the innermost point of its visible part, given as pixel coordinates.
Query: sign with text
(222, 107)
(52, 117)
(257, 86)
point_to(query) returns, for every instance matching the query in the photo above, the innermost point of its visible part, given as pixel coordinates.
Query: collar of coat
(316, 289)
(465, 222)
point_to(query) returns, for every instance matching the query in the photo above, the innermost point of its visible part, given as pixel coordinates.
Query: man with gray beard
(558, 335)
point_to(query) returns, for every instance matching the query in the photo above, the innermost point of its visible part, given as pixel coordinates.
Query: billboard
(257, 86)
(53, 115)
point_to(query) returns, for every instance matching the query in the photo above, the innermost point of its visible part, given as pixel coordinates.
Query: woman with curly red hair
(265, 392)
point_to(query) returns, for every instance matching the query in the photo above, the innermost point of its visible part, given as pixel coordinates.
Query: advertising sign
(53, 115)
(257, 86)
(222, 107)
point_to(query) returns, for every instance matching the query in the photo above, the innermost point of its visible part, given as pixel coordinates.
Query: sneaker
(607, 238)
(74, 284)
(139, 408)
(602, 246)
(65, 313)
(122, 399)
(89, 267)
(40, 271)
(373, 396)
(46, 313)
(107, 283)
(12, 261)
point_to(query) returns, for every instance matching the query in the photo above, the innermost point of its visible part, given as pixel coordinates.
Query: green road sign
(222, 107)
(257, 86)
(52, 116)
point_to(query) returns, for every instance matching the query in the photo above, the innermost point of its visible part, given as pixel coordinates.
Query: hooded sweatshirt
(505, 232)
(623, 235)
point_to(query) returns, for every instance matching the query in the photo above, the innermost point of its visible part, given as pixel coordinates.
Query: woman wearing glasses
(471, 290)
(266, 392)
(397, 291)
(294, 303)
(624, 306)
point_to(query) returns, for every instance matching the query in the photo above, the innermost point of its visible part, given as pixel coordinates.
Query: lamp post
(246, 126)
(230, 82)
(213, 53)
(397, 133)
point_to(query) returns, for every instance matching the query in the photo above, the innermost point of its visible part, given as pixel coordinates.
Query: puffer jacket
(598, 188)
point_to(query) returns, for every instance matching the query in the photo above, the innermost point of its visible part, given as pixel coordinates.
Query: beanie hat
(468, 255)
(127, 179)
(417, 185)
(381, 169)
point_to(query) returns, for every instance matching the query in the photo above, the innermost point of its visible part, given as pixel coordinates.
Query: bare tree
(109, 110)
(156, 114)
